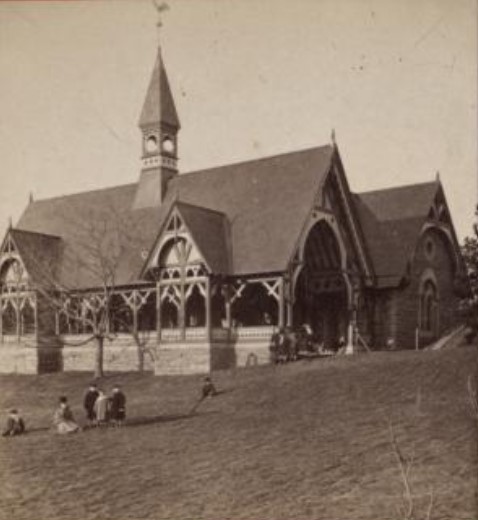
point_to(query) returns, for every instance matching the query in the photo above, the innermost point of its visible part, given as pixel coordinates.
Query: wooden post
(18, 314)
(1, 318)
(207, 298)
(158, 311)
(227, 303)
(57, 322)
(281, 302)
(182, 310)
(134, 308)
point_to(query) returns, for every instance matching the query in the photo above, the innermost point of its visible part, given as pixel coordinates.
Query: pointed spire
(10, 223)
(437, 176)
(159, 104)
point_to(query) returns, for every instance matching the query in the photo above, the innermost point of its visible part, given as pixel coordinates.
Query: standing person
(15, 424)
(63, 418)
(89, 403)
(101, 408)
(118, 406)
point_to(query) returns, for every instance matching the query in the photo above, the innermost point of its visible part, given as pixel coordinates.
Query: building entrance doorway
(320, 292)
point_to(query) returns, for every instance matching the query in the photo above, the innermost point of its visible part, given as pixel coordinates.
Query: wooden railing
(218, 334)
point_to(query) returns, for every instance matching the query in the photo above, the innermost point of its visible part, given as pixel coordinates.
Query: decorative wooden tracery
(18, 303)
(182, 274)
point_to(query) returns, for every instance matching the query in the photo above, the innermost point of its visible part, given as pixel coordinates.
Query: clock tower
(159, 125)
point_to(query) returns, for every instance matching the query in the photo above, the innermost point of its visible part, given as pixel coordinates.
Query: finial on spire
(437, 176)
(160, 8)
(332, 137)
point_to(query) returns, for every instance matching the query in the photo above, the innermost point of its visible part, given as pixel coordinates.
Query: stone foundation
(75, 353)
(119, 355)
(183, 358)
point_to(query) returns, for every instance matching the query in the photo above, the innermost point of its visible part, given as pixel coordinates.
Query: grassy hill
(308, 440)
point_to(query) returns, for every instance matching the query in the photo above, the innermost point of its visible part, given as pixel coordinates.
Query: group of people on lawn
(101, 410)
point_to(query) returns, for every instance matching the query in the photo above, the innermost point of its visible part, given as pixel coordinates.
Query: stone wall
(183, 358)
(120, 354)
(18, 357)
(403, 306)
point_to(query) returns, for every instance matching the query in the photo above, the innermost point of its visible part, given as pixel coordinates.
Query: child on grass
(15, 424)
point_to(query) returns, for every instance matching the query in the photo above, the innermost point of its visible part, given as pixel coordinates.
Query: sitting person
(15, 424)
(208, 389)
(63, 418)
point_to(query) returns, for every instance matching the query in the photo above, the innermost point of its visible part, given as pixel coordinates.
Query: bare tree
(85, 292)
(405, 463)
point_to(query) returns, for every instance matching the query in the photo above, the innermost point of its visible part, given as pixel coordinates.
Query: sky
(396, 79)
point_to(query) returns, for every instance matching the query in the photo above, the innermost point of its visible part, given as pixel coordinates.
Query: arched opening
(27, 318)
(218, 308)
(169, 315)
(195, 308)
(12, 274)
(320, 292)
(9, 319)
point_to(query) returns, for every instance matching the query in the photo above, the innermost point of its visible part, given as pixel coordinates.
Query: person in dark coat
(117, 407)
(15, 424)
(89, 403)
(208, 389)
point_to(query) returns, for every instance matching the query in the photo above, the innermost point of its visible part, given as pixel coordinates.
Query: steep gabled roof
(40, 254)
(210, 231)
(86, 221)
(392, 220)
(264, 204)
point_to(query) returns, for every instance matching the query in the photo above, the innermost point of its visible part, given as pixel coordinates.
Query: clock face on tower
(168, 145)
(151, 143)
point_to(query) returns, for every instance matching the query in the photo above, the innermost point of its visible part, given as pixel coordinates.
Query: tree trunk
(99, 356)
(140, 350)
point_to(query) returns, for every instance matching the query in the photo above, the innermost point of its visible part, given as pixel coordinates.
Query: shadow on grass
(158, 419)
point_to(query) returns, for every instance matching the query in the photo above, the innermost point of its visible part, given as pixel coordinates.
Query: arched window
(9, 317)
(27, 318)
(13, 274)
(195, 308)
(429, 307)
(169, 315)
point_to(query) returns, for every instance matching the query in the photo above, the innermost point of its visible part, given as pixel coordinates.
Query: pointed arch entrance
(322, 290)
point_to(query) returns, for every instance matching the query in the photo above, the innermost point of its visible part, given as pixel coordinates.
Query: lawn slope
(308, 440)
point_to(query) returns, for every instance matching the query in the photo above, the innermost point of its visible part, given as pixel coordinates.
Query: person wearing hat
(63, 418)
(15, 424)
(89, 401)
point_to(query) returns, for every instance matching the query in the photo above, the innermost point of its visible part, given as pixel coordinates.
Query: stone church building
(196, 271)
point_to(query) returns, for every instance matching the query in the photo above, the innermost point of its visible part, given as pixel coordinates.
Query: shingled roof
(40, 253)
(264, 202)
(159, 103)
(210, 231)
(392, 220)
